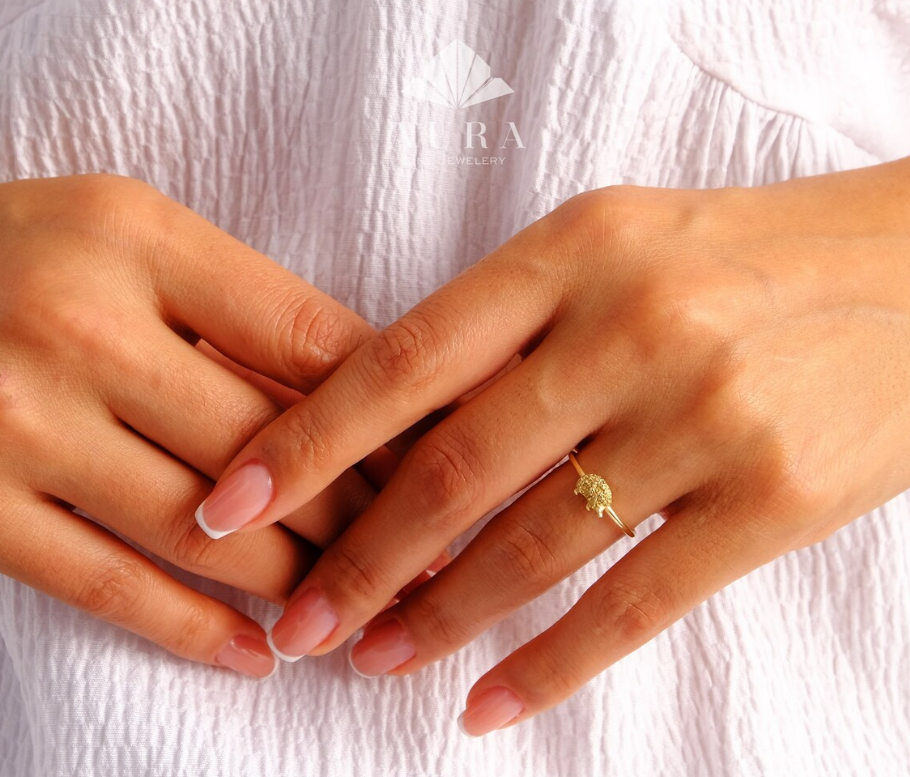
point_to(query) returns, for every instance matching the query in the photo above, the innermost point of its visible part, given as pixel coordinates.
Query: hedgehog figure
(595, 489)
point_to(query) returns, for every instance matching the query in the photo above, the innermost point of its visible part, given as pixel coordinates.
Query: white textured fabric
(285, 123)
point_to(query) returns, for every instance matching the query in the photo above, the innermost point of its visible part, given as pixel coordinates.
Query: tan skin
(106, 286)
(735, 359)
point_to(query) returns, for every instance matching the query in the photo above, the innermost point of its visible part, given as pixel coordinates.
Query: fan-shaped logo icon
(457, 77)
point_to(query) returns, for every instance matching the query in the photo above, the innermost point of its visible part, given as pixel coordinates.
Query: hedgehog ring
(595, 489)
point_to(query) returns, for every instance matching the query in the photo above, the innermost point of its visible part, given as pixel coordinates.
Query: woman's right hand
(106, 286)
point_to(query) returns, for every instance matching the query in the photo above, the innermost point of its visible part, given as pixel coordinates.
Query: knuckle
(16, 209)
(313, 337)
(665, 319)
(352, 574)
(120, 215)
(444, 473)
(791, 498)
(85, 208)
(240, 418)
(245, 423)
(86, 332)
(301, 443)
(406, 355)
(605, 216)
(437, 621)
(526, 557)
(114, 591)
(189, 630)
(801, 496)
(722, 414)
(108, 203)
(548, 677)
(21, 424)
(631, 609)
(99, 187)
(192, 549)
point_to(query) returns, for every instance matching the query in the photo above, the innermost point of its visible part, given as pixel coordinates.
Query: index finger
(449, 343)
(249, 307)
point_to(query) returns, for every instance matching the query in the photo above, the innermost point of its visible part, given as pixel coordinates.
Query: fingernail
(307, 622)
(235, 501)
(382, 648)
(440, 562)
(248, 655)
(490, 710)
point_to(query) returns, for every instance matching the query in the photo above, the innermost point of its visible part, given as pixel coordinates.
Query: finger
(85, 566)
(284, 396)
(471, 462)
(326, 516)
(530, 546)
(192, 407)
(249, 307)
(202, 413)
(690, 557)
(376, 468)
(139, 491)
(452, 341)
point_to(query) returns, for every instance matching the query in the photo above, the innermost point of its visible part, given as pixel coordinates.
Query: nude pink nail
(306, 623)
(236, 500)
(382, 648)
(490, 710)
(247, 655)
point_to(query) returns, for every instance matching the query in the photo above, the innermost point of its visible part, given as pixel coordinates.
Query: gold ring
(599, 495)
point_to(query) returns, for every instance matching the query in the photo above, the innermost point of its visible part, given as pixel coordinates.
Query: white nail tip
(368, 676)
(273, 672)
(462, 728)
(358, 635)
(213, 533)
(283, 656)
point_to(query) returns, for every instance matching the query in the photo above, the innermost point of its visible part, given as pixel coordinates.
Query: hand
(734, 359)
(105, 405)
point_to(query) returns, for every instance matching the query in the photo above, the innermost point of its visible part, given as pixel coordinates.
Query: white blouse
(307, 129)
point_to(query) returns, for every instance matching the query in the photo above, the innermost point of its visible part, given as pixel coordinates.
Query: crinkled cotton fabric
(287, 123)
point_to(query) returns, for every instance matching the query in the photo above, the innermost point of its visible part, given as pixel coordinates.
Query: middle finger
(471, 462)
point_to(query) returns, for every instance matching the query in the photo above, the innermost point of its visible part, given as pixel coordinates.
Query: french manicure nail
(236, 500)
(248, 655)
(307, 622)
(490, 710)
(382, 648)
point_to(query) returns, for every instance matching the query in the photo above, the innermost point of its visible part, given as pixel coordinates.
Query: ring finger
(202, 413)
(529, 547)
(138, 490)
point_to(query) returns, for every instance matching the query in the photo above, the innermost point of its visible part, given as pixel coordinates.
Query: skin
(106, 286)
(734, 359)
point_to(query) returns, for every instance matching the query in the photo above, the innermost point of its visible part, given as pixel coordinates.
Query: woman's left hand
(735, 359)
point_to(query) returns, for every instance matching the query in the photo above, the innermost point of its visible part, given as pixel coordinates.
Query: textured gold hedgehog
(595, 489)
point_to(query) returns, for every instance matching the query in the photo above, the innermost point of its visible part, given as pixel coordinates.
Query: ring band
(599, 495)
